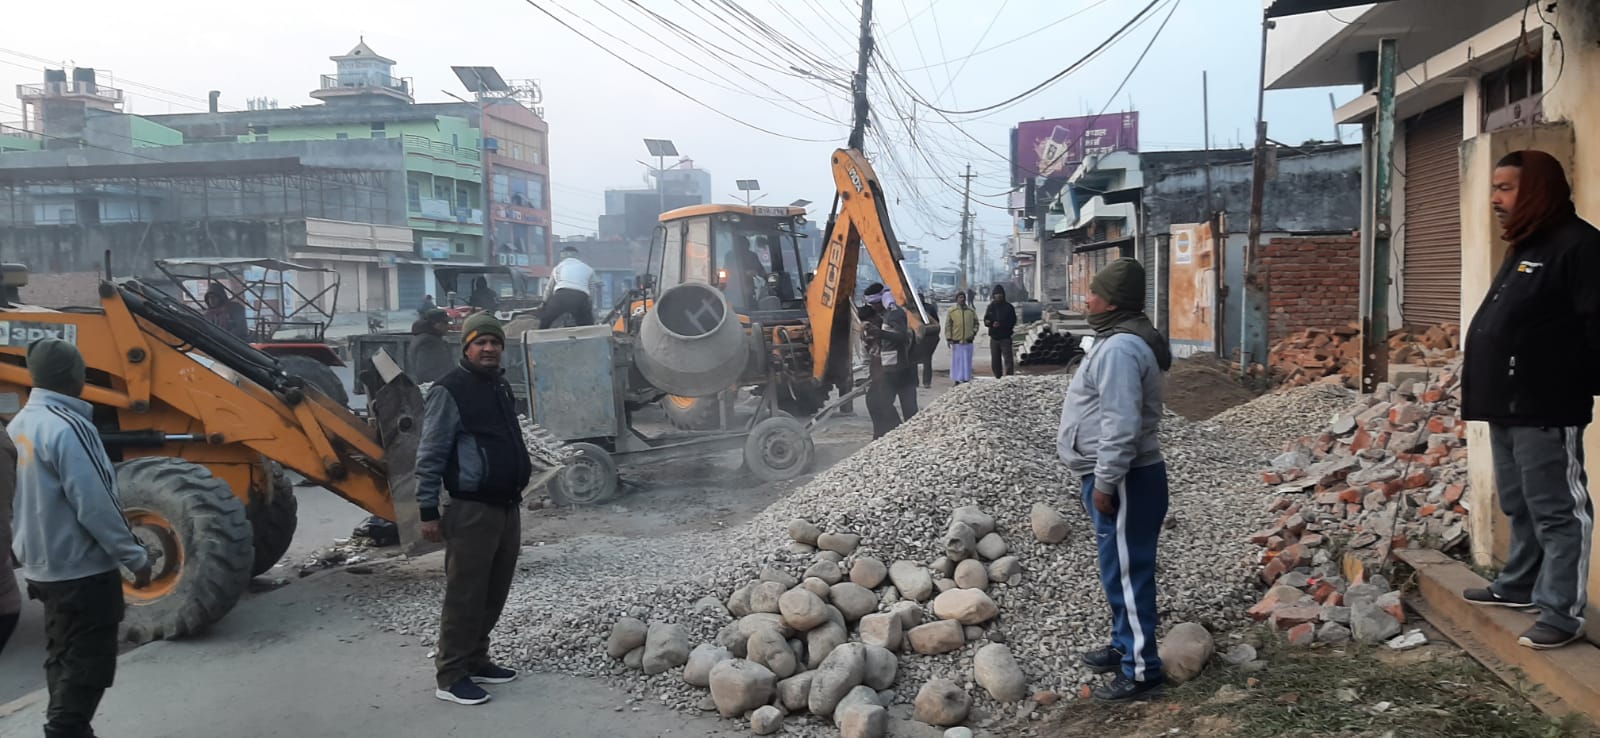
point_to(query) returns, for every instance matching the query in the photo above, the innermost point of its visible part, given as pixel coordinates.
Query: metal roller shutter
(1431, 286)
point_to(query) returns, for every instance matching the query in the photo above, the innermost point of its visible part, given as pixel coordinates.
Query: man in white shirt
(569, 291)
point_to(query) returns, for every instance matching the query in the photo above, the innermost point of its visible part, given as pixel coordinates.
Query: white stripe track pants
(1127, 542)
(1544, 492)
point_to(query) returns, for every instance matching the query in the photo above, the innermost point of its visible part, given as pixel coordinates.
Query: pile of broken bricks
(1389, 473)
(1320, 607)
(1334, 355)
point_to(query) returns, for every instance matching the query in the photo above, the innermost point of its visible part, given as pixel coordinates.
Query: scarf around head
(1111, 323)
(1543, 196)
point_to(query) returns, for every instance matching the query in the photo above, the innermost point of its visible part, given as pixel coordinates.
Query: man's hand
(431, 532)
(1104, 502)
(141, 576)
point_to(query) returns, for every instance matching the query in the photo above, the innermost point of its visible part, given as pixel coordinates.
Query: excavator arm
(860, 218)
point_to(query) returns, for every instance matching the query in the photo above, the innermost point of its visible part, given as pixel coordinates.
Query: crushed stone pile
(989, 445)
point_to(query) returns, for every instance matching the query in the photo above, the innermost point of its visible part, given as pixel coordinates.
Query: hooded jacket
(1112, 413)
(67, 515)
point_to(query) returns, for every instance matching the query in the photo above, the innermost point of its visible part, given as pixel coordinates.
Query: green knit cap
(56, 365)
(480, 325)
(1120, 283)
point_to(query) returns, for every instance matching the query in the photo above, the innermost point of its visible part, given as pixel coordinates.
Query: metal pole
(661, 184)
(858, 131)
(488, 179)
(966, 238)
(1253, 315)
(1205, 113)
(1375, 329)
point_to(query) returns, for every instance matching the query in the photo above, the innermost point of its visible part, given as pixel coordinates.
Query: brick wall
(1313, 282)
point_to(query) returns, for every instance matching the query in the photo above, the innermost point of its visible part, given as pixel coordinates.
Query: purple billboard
(1054, 148)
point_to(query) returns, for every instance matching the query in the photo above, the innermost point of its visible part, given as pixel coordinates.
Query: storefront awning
(1281, 8)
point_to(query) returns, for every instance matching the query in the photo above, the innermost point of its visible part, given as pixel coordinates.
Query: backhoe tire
(693, 413)
(316, 374)
(201, 543)
(273, 514)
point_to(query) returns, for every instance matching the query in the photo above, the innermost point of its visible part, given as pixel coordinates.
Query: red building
(518, 174)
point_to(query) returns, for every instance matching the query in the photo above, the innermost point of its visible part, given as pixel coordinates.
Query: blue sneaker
(491, 674)
(463, 692)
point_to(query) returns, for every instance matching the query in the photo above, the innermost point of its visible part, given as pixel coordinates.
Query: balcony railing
(335, 82)
(18, 132)
(440, 149)
(61, 89)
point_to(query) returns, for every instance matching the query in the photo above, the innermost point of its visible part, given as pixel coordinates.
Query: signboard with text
(1054, 148)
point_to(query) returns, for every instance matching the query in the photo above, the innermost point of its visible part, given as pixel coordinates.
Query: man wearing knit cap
(472, 447)
(71, 536)
(1530, 372)
(1001, 320)
(1108, 439)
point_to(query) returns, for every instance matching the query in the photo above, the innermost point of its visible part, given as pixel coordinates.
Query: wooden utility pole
(1375, 328)
(858, 87)
(966, 229)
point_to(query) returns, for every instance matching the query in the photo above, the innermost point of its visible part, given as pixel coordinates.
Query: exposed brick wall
(1313, 282)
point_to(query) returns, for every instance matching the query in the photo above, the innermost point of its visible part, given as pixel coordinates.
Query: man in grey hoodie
(71, 537)
(1108, 439)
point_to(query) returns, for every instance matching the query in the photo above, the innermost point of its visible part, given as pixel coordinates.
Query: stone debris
(1326, 610)
(1389, 472)
(895, 500)
(766, 720)
(943, 703)
(1411, 639)
(1335, 355)
(1186, 650)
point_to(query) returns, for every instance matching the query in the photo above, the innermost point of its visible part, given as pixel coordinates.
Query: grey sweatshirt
(1112, 411)
(68, 519)
(10, 598)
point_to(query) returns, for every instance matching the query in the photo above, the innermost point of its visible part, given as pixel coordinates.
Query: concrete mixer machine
(585, 383)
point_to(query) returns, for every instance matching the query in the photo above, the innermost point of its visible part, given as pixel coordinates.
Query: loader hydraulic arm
(860, 218)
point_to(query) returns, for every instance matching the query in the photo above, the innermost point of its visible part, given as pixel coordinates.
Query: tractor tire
(201, 537)
(589, 479)
(273, 514)
(693, 413)
(778, 449)
(801, 403)
(316, 374)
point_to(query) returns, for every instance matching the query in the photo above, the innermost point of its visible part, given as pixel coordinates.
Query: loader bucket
(397, 406)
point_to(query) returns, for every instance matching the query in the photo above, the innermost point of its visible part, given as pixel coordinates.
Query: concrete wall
(134, 247)
(1320, 193)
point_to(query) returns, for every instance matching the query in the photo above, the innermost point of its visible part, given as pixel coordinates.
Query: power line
(1034, 32)
(669, 85)
(1052, 79)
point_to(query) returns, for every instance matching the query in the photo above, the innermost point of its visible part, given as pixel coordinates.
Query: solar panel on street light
(481, 79)
(749, 185)
(800, 203)
(660, 147)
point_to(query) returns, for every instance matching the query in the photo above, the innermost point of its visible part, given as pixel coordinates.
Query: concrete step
(1564, 680)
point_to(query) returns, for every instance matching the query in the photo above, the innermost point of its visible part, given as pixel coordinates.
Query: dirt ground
(1202, 386)
(1433, 691)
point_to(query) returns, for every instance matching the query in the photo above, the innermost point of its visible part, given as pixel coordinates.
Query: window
(500, 188)
(1513, 96)
(455, 140)
(670, 254)
(538, 245)
(414, 195)
(461, 248)
(697, 252)
(261, 138)
(378, 130)
(342, 136)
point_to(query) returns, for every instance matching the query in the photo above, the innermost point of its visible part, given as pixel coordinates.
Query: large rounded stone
(998, 673)
(704, 657)
(960, 543)
(942, 636)
(818, 587)
(739, 686)
(826, 571)
(764, 597)
(1048, 525)
(666, 647)
(882, 665)
(972, 574)
(739, 601)
(802, 610)
(882, 629)
(794, 691)
(912, 579)
(853, 600)
(839, 673)
(1185, 652)
(843, 544)
(1006, 570)
(774, 574)
(823, 640)
(992, 546)
(804, 531)
(966, 606)
(909, 613)
(626, 635)
(770, 649)
(980, 522)
(868, 572)
(766, 720)
(943, 703)
(863, 721)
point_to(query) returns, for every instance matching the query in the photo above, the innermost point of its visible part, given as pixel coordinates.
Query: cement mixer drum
(691, 343)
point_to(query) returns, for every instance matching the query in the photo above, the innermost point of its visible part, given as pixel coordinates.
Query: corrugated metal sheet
(1148, 260)
(1431, 290)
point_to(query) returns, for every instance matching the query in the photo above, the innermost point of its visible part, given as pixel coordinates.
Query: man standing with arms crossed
(1530, 373)
(472, 446)
(71, 537)
(1108, 438)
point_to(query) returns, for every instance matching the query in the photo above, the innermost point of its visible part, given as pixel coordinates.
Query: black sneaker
(1102, 660)
(492, 674)
(463, 692)
(1124, 689)
(1542, 636)
(1486, 596)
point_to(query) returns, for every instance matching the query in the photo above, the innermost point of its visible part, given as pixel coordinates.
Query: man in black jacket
(1530, 372)
(1001, 319)
(886, 332)
(472, 446)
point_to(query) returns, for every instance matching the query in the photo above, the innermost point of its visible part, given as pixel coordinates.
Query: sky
(753, 93)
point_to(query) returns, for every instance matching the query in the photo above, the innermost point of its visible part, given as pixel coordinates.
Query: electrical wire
(1029, 34)
(669, 85)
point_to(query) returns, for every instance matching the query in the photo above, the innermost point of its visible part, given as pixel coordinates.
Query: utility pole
(1375, 328)
(1253, 312)
(966, 229)
(858, 87)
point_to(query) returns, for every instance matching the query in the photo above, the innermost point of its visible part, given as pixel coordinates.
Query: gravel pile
(1272, 419)
(990, 445)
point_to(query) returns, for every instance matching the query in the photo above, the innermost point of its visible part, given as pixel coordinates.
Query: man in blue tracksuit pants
(1108, 439)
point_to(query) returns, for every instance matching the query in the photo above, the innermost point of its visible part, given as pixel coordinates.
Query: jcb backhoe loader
(753, 255)
(201, 425)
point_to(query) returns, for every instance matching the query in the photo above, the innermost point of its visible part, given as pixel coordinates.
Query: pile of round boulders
(830, 640)
(946, 572)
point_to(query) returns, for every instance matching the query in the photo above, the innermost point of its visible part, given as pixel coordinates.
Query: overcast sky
(170, 53)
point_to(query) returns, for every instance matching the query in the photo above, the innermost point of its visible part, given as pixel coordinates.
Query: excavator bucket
(397, 406)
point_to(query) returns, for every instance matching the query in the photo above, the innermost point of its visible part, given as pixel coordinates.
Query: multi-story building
(519, 185)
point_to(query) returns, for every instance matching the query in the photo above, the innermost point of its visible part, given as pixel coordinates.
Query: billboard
(1054, 148)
